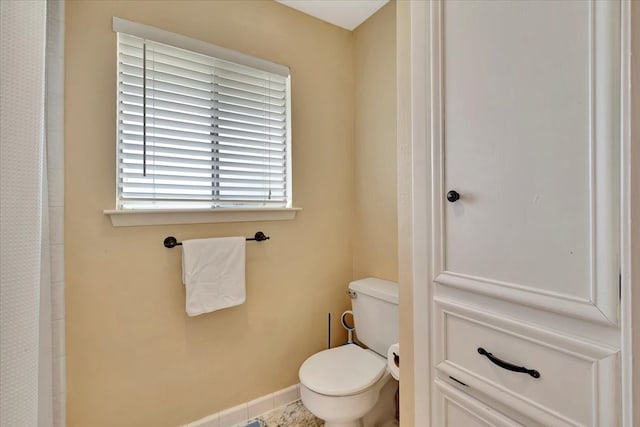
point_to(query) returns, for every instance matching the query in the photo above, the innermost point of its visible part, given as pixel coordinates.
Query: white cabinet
(524, 103)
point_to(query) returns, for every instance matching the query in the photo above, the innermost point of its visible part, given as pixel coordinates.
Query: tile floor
(292, 415)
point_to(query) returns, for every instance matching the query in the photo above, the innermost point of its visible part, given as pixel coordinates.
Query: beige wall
(134, 357)
(375, 238)
(635, 191)
(405, 235)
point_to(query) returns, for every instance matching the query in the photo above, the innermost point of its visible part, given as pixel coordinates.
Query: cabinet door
(527, 131)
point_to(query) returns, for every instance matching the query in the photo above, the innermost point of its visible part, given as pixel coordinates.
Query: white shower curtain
(31, 362)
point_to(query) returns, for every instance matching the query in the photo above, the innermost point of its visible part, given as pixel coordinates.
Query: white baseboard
(249, 410)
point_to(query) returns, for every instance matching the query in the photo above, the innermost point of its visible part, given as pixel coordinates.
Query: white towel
(213, 273)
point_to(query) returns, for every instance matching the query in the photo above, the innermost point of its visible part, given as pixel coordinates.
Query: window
(199, 126)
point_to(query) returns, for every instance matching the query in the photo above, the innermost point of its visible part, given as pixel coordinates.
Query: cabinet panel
(528, 136)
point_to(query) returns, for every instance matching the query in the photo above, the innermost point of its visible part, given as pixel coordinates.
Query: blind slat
(273, 159)
(265, 90)
(196, 165)
(199, 188)
(177, 135)
(249, 112)
(185, 121)
(127, 71)
(234, 101)
(151, 177)
(202, 164)
(183, 172)
(227, 142)
(243, 199)
(152, 95)
(243, 94)
(189, 96)
(242, 113)
(184, 83)
(198, 136)
(231, 75)
(167, 90)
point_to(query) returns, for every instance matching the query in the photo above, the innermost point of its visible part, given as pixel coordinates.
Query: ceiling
(347, 14)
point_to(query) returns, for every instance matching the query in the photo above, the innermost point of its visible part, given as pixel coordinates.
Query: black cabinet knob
(452, 196)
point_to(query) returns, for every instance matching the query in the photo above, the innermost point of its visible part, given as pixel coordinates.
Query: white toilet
(342, 384)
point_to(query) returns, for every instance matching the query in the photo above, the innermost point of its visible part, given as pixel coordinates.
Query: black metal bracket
(259, 237)
(458, 381)
(507, 365)
(172, 242)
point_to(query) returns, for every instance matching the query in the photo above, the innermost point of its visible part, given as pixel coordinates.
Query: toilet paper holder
(347, 326)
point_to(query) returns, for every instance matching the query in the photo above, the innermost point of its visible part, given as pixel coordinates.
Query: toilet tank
(375, 313)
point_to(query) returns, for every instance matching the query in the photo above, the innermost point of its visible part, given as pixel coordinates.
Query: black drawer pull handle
(507, 365)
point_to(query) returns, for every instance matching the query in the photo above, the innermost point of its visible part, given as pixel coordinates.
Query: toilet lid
(342, 371)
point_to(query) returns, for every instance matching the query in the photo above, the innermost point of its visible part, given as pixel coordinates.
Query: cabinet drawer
(456, 409)
(577, 379)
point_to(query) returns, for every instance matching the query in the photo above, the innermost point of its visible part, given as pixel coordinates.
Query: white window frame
(137, 217)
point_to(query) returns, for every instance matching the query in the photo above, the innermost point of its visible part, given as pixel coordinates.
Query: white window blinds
(195, 131)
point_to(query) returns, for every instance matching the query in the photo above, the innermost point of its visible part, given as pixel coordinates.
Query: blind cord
(144, 109)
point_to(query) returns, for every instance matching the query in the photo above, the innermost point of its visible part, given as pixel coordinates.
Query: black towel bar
(172, 242)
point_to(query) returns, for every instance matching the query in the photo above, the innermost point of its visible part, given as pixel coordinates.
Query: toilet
(342, 384)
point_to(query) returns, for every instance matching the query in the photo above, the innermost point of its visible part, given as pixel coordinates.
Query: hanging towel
(213, 274)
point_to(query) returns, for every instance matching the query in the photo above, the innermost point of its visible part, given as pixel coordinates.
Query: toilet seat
(342, 371)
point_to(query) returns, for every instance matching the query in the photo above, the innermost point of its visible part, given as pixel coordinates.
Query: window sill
(133, 218)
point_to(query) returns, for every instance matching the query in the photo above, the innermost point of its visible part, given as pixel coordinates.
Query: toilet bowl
(342, 384)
